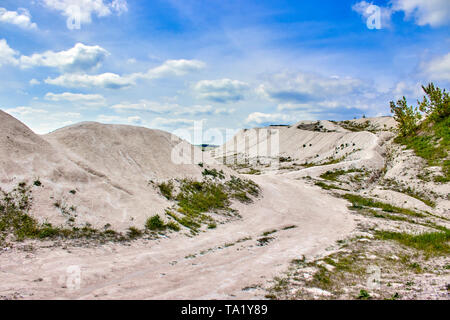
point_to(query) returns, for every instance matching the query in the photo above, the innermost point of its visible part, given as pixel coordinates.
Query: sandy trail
(160, 270)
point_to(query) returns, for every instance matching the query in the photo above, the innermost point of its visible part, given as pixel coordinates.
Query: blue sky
(229, 64)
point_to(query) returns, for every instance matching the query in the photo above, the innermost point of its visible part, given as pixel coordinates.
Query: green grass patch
(433, 243)
(166, 189)
(432, 142)
(214, 173)
(325, 186)
(334, 175)
(359, 202)
(155, 223)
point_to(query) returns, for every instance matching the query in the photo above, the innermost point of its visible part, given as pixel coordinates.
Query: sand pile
(101, 171)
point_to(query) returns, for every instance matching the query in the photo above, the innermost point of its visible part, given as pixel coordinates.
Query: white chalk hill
(108, 166)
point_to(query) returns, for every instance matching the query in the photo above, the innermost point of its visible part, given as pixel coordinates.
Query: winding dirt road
(212, 265)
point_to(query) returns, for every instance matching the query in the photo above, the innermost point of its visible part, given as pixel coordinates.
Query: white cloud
(165, 122)
(85, 99)
(173, 68)
(435, 13)
(7, 54)
(425, 12)
(259, 118)
(82, 10)
(145, 105)
(224, 111)
(407, 89)
(438, 68)
(167, 108)
(34, 82)
(115, 81)
(25, 111)
(134, 120)
(195, 110)
(20, 18)
(222, 90)
(302, 88)
(313, 106)
(79, 58)
(104, 80)
(120, 6)
(108, 118)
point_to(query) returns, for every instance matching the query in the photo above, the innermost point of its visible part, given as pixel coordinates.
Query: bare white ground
(203, 267)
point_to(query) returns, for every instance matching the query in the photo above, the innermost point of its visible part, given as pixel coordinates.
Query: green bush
(166, 189)
(155, 223)
(436, 103)
(406, 116)
(134, 233)
(214, 173)
(434, 243)
(173, 226)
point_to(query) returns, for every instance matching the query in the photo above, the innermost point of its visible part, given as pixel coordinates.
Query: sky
(221, 65)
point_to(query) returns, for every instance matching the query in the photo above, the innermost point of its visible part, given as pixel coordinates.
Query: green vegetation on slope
(433, 243)
(196, 198)
(430, 139)
(15, 220)
(359, 202)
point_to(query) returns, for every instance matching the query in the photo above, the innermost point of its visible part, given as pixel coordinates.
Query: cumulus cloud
(259, 118)
(315, 106)
(145, 105)
(169, 108)
(407, 89)
(224, 111)
(79, 58)
(83, 10)
(20, 18)
(25, 111)
(222, 90)
(104, 80)
(119, 6)
(34, 82)
(302, 88)
(134, 120)
(85, 99)
(434, 13)
(172, 123)
(173, 68)
(429, 12)
(8, 56)
(115, 81)
(438, 68)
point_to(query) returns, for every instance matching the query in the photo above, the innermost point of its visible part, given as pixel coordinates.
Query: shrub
(363, 295)
(406, 116)
(212, 225)
(155, 223)
(134, 232)
(436, 103)
(166, 189)
(173, 226)
(214, 173)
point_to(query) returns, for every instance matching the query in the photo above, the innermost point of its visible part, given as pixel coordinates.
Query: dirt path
(212, 265)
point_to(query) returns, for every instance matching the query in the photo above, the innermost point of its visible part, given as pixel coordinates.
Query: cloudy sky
(226, 64)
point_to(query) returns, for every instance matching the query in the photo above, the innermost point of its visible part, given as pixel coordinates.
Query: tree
(436, 103)
(407, 117)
